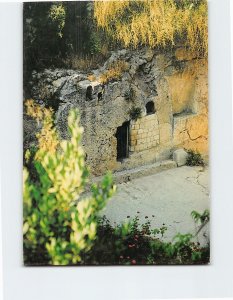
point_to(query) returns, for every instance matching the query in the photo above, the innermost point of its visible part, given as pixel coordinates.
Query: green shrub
(129, 94)
(202, 218)
(58, 226)
(194, 159)
(135, 113)
(134, 244)
(94, 44)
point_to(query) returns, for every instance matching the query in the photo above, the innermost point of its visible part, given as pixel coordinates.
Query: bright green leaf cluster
(57, 14)
(58, 225)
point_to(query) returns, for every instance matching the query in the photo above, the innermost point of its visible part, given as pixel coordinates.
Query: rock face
(169, 91)
(180, 157)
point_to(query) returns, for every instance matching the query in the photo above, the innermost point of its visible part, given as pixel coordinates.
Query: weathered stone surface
(158, 198)
(176, 83)
(185, 54)
(127, 175)
(180, 157)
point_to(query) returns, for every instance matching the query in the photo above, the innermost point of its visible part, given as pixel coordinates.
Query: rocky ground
(166, 198)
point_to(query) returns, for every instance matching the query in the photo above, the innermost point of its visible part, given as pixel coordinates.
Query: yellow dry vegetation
(157, 23)
(91, 77)
(47, 137)
(114, 71)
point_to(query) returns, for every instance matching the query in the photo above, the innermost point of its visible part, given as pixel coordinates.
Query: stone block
(140, 131)
(180, 157)
(133, 142)
(134, 132)
(132, 148)
(144, 135)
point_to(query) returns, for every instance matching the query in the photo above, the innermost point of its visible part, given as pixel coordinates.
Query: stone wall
(176, 82)
(144, 133)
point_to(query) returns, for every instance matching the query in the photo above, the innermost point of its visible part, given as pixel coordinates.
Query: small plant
(129, 94)
(135, 113)
(194, 159)
(114, 72)
(183, 250)
(133, 243)
(202, 219)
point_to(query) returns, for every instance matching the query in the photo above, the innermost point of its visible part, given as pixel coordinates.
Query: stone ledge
(127, 175)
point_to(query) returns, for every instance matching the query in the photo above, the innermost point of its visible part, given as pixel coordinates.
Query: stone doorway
(122, 136)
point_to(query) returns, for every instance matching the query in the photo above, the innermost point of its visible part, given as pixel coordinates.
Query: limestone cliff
(169, 91)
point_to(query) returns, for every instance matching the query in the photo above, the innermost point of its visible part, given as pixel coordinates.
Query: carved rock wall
(175, 82)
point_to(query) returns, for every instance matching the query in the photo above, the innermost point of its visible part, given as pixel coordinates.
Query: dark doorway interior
(122, 136)
(150, 108)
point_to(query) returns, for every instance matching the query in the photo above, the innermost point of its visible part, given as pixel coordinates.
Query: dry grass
(91, 77)
(47, 137)
(87, 62)
(157, 23)
(114, 72)
(78, 62)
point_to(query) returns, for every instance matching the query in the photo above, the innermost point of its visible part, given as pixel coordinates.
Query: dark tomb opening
(122, 136)
(150, 108)
(89, 93)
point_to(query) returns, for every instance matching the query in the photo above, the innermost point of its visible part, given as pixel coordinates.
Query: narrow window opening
(150, 108)
(122, 135)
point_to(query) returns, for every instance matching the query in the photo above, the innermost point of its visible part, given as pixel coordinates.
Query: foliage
(79, 62)
(47, 138)
(58, 225)
(134, 244)
(202, 218)
(135, 113)
(194, 159)
(58, 14)
(94, 43)
(61, 35)
(114, 71)
(129, 94)
(157, 23)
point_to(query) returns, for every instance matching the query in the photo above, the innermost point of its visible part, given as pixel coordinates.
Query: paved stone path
(170, 196)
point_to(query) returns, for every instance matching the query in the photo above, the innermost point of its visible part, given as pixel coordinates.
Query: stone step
(146, 170)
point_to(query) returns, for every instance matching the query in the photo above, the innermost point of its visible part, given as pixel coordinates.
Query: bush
(129, 94)
(134, 244)
(194, 159)
(135, 113)
(58, 226)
